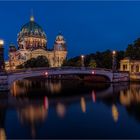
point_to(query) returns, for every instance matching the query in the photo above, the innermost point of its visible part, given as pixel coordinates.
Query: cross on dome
(32, 16)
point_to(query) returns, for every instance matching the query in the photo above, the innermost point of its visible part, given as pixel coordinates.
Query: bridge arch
(57, 71)
(101, 78)
(81, 76)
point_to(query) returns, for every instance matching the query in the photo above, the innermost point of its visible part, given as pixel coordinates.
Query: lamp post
(114, 63)
(1, 55)
(82, 60)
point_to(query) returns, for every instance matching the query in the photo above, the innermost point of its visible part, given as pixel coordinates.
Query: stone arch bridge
(21, 74)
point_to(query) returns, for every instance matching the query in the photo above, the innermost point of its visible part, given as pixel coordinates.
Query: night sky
(87, 26)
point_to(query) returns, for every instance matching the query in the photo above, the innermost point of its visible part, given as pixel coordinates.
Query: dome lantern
(32, 19)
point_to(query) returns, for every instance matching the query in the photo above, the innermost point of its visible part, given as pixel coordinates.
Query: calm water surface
(70, 109)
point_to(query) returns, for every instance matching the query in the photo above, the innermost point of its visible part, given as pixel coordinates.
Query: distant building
(131, 66)
(32, 42)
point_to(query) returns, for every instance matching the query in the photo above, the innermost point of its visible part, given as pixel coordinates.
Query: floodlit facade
(32, 42)
(132, 66)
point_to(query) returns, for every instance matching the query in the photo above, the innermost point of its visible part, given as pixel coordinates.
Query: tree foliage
(40, 61)
(75, 62)
(98, 59)
(92, 63)
(133, 50)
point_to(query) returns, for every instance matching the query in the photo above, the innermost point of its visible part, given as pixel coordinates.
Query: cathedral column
(135, 67)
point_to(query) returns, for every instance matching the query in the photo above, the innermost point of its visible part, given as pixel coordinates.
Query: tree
(130, 51)
(133, 50)
(74, 62)
(40, 61)
(98, 59)
(120, 56)
(65, 62)
(31, 63)
(92, 63)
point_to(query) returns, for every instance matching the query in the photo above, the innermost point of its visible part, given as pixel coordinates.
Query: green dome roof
(32, 29)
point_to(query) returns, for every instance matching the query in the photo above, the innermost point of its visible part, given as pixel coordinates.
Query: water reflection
(130, 96)
(83, 104)
(25, 86)
(115, 113)
(32, 115)
(2, 134)
(55, 87)
(2, 124)
(61, 110)
(40, 99)
(93, 96)
(20, 87)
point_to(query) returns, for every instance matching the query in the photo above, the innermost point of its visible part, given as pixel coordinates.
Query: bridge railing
(55, 69)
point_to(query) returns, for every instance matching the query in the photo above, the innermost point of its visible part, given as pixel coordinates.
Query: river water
(40, 108)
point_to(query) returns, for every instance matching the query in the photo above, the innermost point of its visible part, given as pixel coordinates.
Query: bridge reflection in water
(45, 106)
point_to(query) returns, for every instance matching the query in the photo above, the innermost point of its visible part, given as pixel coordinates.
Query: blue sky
(87, 26)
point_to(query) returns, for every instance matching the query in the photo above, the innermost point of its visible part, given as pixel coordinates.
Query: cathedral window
(137, 68)
(132, 68)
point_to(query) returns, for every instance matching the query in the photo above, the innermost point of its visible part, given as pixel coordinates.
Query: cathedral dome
(32, 29)
(12, 48)
(60, 43)
(59, 38)
(32, 35)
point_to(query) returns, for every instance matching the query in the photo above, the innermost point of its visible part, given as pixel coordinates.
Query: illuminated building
(32, 42)
(131, 66)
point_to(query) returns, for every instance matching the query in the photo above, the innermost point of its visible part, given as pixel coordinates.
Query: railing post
(114, 64)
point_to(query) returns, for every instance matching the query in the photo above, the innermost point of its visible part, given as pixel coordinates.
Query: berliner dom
(32, 36)
(32, 42)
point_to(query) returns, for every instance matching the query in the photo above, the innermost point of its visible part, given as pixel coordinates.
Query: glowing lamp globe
(114, 52)
(46, 73)
(1, 42)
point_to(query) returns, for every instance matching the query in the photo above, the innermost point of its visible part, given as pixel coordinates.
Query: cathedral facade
(32, 42)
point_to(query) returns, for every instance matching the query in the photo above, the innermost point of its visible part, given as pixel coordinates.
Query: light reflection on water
(70, 109)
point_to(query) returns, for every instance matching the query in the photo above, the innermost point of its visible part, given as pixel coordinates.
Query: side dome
(12, 48)
(32, 36)
(60, 43)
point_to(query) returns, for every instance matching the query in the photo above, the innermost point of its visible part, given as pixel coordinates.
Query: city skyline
(46, 92)
(87, 26)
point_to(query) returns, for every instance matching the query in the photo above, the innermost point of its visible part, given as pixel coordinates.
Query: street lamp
(114, 52)
(82, 60)
(114, 63)
(1, 43)
(1, 55)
